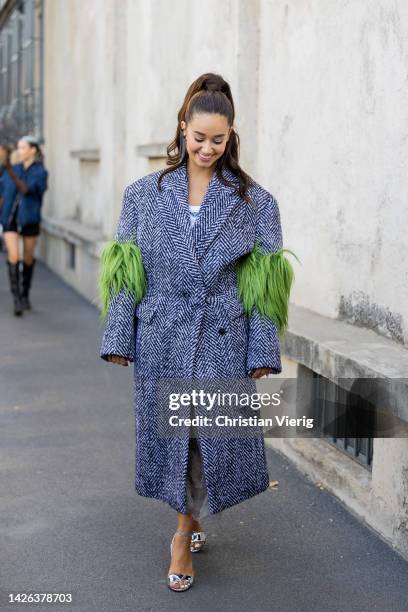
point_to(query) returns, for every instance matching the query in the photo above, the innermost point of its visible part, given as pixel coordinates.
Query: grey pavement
(71, 521)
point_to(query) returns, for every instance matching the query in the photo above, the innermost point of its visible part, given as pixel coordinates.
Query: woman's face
(206, 138)
(25, 151)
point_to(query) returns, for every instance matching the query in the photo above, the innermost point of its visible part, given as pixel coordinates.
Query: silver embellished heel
(183, 581)
(198, 539)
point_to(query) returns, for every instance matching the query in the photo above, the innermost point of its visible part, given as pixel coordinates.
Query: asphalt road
(71, 522)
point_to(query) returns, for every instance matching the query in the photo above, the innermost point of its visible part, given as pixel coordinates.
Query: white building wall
(79, 107)
(333, 118)
(321, 111)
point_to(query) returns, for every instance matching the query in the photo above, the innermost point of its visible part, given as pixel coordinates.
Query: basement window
(343, 416)
(71, 255)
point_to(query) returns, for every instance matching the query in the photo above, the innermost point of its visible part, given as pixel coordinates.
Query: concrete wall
(377, 496)
(78, 107)
(333, 147)
(321, 110)
(115, 77)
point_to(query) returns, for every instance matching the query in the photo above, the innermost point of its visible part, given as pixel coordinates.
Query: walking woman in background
(22, 186)
(5, 152)
(196, 285)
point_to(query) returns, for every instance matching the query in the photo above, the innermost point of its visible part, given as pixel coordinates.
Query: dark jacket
(29, 208)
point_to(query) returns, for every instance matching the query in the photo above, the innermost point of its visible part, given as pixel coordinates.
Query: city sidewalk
(71, 521)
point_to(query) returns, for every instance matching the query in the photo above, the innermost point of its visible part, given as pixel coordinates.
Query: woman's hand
(21, 185)
(258, 372)
(118, 359)
(4, 156)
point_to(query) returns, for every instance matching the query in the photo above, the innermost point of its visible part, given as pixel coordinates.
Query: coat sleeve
(264, 278)
(122, 281)
(37, 182)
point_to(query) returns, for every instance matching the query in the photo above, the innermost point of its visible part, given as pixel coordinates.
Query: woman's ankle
(185, 522)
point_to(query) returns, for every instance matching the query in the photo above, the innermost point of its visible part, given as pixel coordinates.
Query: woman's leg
(28, 268)
(196, 487)
(197, 526)
(181, 558)
(11, 240)
(29, 249)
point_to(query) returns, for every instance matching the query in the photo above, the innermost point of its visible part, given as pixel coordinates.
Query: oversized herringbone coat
(207, 301)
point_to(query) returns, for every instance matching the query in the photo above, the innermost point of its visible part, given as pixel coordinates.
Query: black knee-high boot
(26, 284)
(14, 277)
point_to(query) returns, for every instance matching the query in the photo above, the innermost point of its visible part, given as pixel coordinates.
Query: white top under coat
(194, 212)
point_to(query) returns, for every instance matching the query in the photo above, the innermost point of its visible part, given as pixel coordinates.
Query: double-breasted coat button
(221, 331)
(208, 299)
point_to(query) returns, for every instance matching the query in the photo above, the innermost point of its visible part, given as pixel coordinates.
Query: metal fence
(21, 72)
(338, 412)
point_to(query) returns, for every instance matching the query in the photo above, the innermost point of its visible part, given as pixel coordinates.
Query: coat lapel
(219, 201)
(217, 205)
(173, 207)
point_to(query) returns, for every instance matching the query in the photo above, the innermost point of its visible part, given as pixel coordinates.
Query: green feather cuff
(264, 281)
(121, 268)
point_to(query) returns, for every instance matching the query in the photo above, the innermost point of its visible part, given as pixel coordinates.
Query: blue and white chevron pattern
(190, 325)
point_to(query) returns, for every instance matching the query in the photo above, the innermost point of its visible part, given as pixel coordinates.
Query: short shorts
(31, 229)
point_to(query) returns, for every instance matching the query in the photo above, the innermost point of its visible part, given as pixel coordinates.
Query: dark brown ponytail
(210, 93)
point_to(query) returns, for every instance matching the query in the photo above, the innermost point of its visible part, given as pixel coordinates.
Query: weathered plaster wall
(333, 129)
(321, 109)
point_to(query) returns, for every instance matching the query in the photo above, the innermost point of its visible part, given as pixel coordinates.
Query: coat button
(221, 331)
(208, 299)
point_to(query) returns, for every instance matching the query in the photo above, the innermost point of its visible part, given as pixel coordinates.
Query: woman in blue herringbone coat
(195, 287)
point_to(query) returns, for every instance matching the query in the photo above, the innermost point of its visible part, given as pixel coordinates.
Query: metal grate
(71, 255)
(21, 72)
(337, 411)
